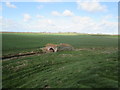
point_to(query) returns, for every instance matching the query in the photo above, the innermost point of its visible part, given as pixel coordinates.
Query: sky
(81, 17)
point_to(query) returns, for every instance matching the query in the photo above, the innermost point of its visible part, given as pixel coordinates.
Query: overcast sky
(82, 17)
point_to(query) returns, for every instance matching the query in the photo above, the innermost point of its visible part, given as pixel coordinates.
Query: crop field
(93, 63)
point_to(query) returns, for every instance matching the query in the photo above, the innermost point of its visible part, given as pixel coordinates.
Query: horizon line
(58, 32)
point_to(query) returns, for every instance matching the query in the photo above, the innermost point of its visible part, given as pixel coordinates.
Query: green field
(21, 42)
(93, 63)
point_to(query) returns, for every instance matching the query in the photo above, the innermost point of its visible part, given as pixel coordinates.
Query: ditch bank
(48, 48)
(20, 55)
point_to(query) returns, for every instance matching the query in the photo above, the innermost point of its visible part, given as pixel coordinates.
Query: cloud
(8, 4)
(55, 13)
(26, 17)
(81, 20)
(67, 13)
(39, 16)
(89, 25)
(64, 13)
(91, 6)
(47, 21)
(10, 25)
(108, 16)
(0, 7)
(81, 24)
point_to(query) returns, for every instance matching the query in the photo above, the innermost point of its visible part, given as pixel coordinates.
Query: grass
(87, 68)
(22, 42)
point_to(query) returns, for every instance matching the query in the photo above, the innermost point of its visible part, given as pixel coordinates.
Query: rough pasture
(93, 63)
